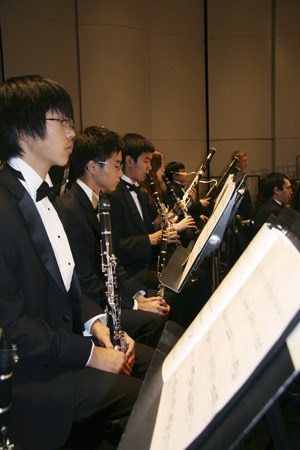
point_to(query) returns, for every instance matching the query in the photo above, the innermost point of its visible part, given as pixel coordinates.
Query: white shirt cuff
(89, 323)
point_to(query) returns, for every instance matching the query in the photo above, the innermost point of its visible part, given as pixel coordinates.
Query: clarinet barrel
(8, 357)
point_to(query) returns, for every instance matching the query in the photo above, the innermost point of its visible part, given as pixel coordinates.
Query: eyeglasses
(118, 165)
(68, 123)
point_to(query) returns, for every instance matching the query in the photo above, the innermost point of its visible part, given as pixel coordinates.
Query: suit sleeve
(25, 319)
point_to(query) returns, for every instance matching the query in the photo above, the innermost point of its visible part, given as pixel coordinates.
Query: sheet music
(228, 340)
(223, 199)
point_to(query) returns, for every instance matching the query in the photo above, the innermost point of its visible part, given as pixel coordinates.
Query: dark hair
(172, 167)
(95, 143)
(267, 185)
(136, 145)
(24, 103)
(296, 197)
(156, 163)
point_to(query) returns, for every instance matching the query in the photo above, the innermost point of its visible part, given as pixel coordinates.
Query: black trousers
(103, 402)
(144, 327)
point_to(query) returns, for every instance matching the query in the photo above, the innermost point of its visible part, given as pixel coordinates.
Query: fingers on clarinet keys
(173, 236)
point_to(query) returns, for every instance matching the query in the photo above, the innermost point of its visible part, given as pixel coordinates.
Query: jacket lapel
(35, 226)
(88, 208)
(132, 207)
(40, 238)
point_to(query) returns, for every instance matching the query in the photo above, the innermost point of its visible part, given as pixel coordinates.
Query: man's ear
(129, 161)
(91, 166)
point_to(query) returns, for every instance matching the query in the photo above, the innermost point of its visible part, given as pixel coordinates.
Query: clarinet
(181, 207)
(161, 208)
(216, 188)
(161, 262)
(186, 197)
(109, 265)
(8, 357)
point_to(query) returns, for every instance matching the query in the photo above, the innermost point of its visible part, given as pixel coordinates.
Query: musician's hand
(130, 351)
(155, 238)
(203, 218)
(173, 236)
(192, 193)
(187, 222)
(109, 360)
(205, 202)
(153, 304)
(101, 332)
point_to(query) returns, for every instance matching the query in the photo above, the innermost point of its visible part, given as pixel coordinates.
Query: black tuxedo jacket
(130, 232)
(83, 231)
(42, 319)
(264, 210)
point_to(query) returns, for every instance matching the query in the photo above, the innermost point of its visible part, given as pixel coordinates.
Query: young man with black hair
(61, 377)
(275, 193)
(177, 174)
(97, 165)
(136, 241)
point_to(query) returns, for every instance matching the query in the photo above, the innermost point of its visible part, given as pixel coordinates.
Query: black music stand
(184, 262)
(237, 357)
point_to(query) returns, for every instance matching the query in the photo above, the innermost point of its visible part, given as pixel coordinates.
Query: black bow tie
(46, 191)
(132, 187)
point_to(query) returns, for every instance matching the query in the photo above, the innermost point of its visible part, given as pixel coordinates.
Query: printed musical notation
(229, 338)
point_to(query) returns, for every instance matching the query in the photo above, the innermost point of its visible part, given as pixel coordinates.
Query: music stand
(236, 358)
(184, 262)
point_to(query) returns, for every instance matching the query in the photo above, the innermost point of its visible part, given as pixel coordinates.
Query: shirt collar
(92, 196)
(32, 180)
(129, 180)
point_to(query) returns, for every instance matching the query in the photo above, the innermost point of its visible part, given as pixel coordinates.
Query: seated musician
(177, 174)
(61, 377)
(136, 241)
(275, 193)
(186, 224)
(97, 166)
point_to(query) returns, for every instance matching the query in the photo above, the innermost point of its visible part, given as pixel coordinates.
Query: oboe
(8, 357)
(109, 264)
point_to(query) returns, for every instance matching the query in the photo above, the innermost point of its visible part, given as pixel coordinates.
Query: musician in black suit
(275, 193)
(137, 243)
(177, 174)
(61, 376)
(97, 166)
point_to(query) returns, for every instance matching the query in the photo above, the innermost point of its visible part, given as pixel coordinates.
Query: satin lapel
(40, 238)
(133, 209)
(87, 206)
